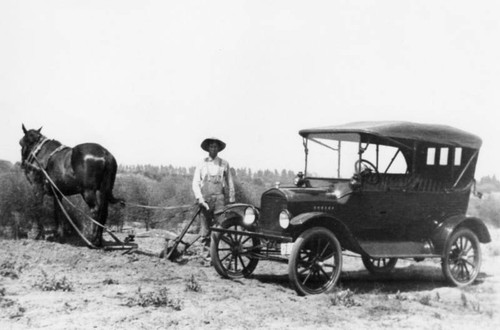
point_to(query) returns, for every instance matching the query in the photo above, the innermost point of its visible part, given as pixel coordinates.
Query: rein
(30, 160)
(158, 207)
(56, 189)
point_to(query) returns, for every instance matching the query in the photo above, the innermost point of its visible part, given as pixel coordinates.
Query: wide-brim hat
(206, 143)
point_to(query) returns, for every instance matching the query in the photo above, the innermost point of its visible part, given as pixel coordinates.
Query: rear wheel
(232, 252)
(379, 265)
(316, 261)
(462, 258)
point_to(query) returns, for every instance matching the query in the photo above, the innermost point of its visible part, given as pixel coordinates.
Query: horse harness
(32, 160)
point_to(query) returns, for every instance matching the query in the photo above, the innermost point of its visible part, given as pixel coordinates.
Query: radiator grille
(271, 205)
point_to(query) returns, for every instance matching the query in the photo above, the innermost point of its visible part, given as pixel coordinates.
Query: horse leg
(102, 204)
(38, 229)
(59, 232)
(91, 199)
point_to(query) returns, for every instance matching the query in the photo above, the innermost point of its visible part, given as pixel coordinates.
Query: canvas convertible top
(401, 130)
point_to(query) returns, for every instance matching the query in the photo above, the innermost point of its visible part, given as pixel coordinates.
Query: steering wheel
(370, 168)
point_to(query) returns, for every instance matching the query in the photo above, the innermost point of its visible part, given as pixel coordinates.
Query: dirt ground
(45, 285)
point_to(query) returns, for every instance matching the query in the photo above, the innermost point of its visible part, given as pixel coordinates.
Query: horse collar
(35, 151)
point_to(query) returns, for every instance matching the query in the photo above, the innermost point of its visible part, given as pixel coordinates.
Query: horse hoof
(96, 243)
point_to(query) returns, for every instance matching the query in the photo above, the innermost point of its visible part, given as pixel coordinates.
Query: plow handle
(179, 238)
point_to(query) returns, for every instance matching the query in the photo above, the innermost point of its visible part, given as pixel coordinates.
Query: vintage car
(380, 190)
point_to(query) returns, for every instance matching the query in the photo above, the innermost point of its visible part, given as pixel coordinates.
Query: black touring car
(383, 190)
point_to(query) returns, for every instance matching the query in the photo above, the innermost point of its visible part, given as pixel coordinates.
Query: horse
(87, 169)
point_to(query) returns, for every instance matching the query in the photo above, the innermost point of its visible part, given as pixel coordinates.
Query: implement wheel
(232, 252)
(316, 261)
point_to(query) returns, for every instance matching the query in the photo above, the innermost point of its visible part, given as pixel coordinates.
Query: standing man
(212, 181)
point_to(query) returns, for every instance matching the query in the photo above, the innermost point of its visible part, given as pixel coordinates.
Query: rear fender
(443, 232)
(305, 221)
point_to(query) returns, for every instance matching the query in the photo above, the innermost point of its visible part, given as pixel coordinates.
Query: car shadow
(413, 278)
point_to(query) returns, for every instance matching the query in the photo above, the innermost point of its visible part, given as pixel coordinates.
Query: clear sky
(150, 80)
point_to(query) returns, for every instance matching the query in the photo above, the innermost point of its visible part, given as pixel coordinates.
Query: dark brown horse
(87, 169)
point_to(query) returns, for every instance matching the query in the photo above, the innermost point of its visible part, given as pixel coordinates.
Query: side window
(431, 156)
(458, 157)
(390, 159)
(443, 156)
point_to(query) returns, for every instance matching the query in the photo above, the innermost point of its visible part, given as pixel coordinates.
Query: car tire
(316, 262)
(462, 258)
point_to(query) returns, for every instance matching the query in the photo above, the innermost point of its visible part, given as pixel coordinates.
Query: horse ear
(39, 129)
(25, 130)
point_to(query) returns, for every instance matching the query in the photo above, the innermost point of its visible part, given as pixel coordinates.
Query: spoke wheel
(462, 258)
(379, 265)
(232, 254)
(316, 261)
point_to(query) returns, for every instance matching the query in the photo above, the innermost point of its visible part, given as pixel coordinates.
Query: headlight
(249, 217)
(284, 219)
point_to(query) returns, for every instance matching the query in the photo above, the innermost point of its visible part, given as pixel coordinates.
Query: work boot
(205, 240)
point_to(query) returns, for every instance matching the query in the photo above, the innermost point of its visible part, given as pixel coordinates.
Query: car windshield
(335, 156)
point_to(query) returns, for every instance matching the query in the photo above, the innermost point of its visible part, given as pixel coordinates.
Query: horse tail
(108, 181)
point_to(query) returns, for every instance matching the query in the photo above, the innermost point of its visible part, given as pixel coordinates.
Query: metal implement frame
(179, 238)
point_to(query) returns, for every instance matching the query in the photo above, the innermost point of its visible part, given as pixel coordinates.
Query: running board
(384, 249)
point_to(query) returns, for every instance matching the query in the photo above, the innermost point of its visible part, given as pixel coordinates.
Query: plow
(171, 252)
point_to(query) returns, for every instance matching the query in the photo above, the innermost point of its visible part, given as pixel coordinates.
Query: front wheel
(316, 261)
(379, 265)
(462, 258)
(232, 253)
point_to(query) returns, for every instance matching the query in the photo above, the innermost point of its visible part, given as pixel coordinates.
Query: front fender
(320, 219)
(443, 232)
(305, 217)
(236, 209)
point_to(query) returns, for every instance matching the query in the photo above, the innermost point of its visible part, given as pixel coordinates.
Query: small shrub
(8, 269)
(46, 283)
(463, 298)
(399, 296)
(474, 305)
(109, 281)
(6, 302)
(156, 299)
(425, 300)
(343, 298)
(378, 289)
(193, 285)
(10, 307)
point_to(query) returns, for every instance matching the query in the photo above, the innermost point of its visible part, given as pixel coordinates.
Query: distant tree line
(152, 194)
(488, 184)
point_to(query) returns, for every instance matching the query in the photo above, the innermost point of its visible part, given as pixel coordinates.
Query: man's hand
(205, 205)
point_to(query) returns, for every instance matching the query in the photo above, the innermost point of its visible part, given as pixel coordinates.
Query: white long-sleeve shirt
(213, 169)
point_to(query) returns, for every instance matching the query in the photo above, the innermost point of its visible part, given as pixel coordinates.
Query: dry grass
(112, 290)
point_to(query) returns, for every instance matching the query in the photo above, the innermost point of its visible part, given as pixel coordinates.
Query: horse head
(30, 139)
